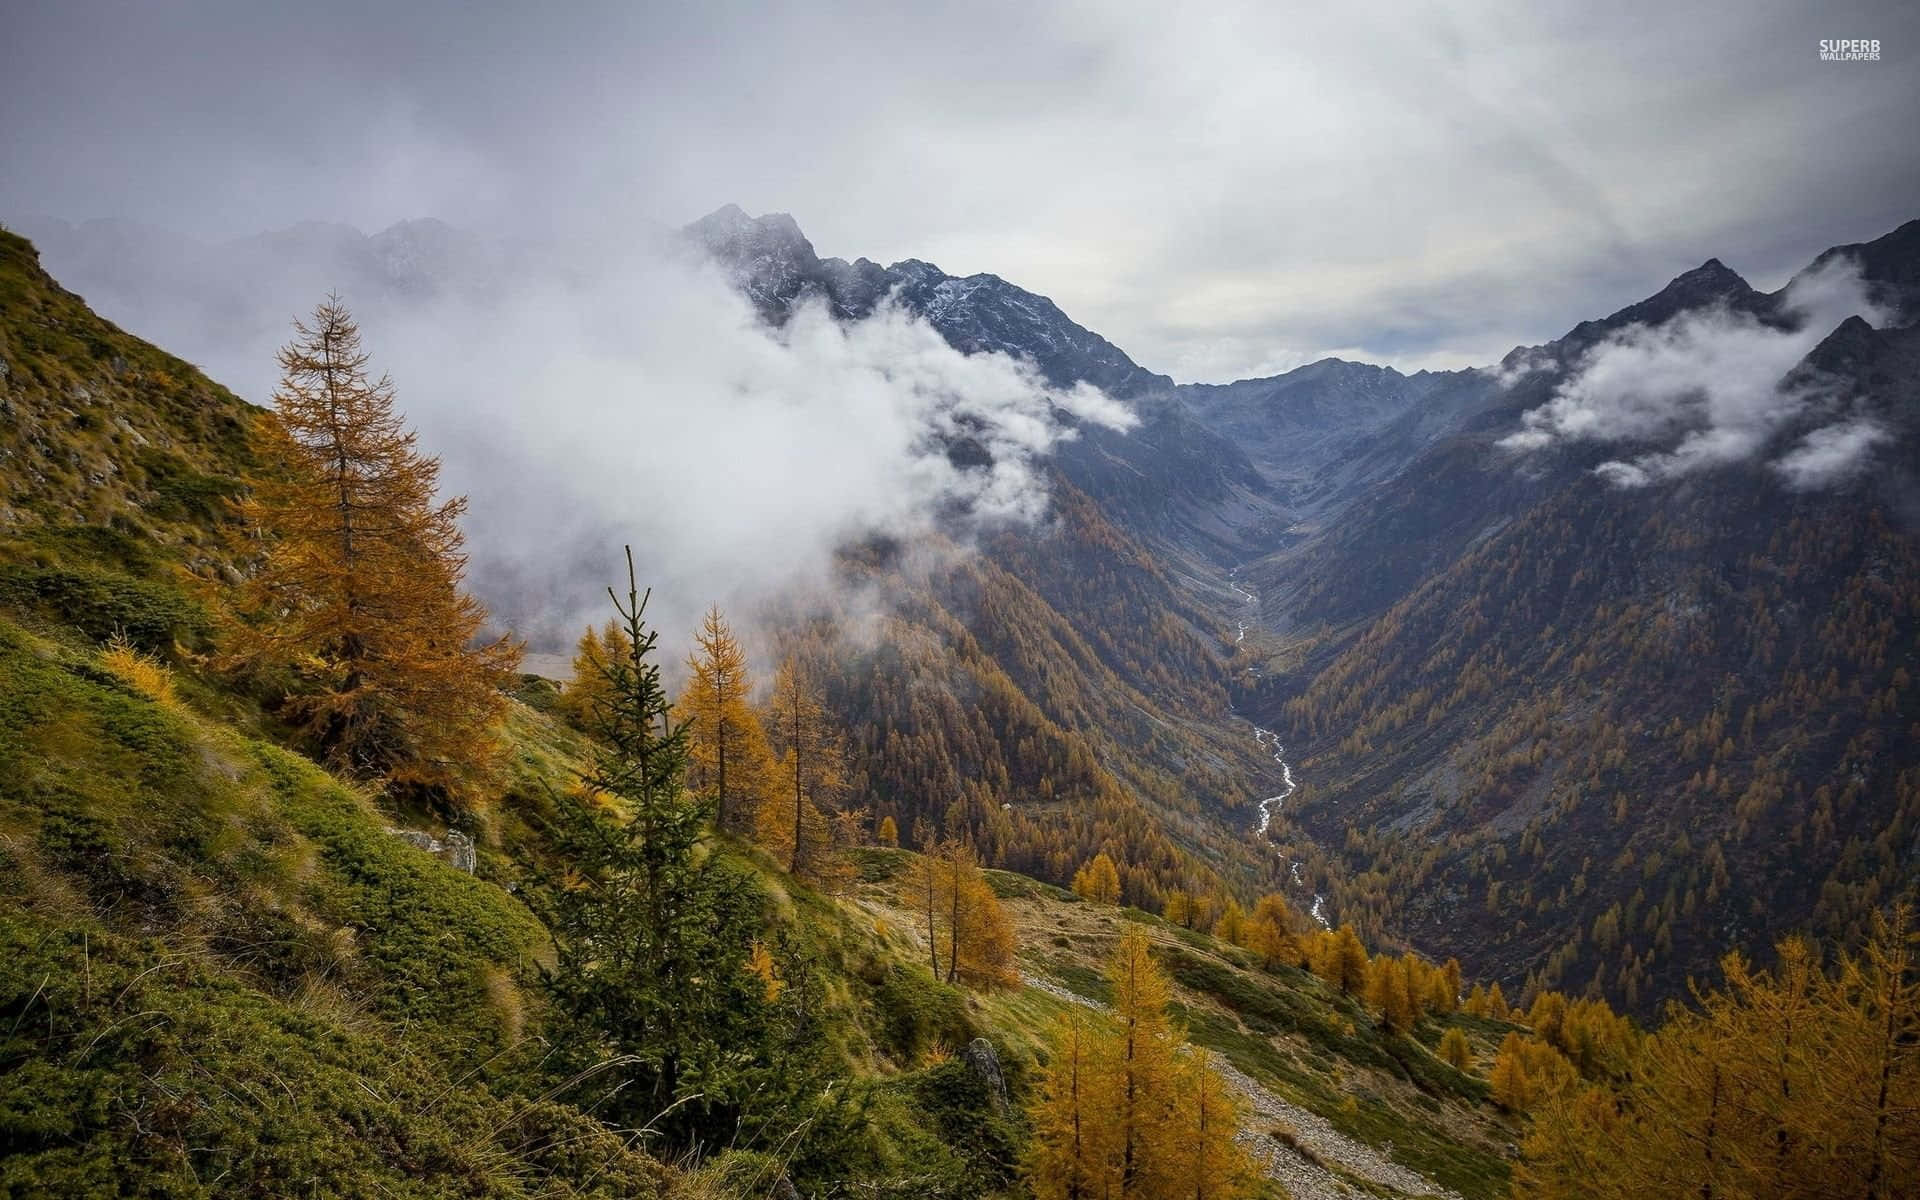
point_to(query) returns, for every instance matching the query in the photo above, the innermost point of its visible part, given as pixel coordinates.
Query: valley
(1349, 513)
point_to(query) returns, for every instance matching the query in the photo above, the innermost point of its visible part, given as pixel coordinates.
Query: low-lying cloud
(632, 396)
(1708, 388)
(1829, 454)
(653, 406)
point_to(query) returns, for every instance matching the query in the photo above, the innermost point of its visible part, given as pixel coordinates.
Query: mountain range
(1571, 731)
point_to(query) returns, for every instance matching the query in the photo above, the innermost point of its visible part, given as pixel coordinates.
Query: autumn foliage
(588, 690)
(809, 778)
(1794, 1082)
(969, 938)
(357, 601)
(1098, 880)
(1126, 1109)
(728, 754)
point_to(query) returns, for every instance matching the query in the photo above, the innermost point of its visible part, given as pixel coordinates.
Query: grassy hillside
(101, 430)
(222, 976)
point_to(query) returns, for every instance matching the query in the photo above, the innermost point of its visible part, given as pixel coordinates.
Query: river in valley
(1267, 739)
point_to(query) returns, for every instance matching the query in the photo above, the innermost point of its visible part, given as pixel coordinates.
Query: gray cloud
(583, 397)
(641, 400)
(1223, 191)
(1830, 454)
(1708, 384)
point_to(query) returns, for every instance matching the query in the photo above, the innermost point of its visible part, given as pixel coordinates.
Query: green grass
(1084, 981)
(1471, 1172)
(99, 603)
(134, 1068)
(222, 977)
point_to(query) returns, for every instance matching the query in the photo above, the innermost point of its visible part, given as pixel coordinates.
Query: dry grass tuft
(138, 670)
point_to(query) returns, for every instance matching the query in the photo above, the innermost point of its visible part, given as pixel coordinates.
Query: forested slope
(1593, 734)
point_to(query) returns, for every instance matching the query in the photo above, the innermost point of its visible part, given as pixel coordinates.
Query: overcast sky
(1223, 190)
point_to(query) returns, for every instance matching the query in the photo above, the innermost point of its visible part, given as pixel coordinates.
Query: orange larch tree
(359, 592)
(728, 754)
(588, 690)
(809, 778)
(1098, 880)
(955, 900)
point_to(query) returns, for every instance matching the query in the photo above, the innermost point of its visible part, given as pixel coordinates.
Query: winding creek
(1268, 739)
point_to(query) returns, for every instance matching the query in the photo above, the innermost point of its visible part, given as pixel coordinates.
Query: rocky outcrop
(456, 848)
(984, 1061)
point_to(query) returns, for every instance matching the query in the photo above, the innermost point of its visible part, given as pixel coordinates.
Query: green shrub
(131, 1068)
(917, 1012)
(960, 1112)
(181, 493)
(100, 603)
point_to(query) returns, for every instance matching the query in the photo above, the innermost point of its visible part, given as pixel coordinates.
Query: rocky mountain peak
(729, 232)
(1712, 282)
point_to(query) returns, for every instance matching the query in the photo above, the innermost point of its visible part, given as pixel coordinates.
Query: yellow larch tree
(728, 755)
(1072, 1155)
(969, 937)
(1143, 1056)
(808, 778)
(1446, 993)
(1098, 880)
(1206, 1163)
(588, 689)
(1230, 925)
(1870, 1079)
(1342, 961)
(359, 592)
(1509, 1076)
(1124, 1110)
(1387, 991)
(1270, 933)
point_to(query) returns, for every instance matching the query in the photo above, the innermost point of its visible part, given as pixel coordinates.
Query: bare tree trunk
(799, 795)
(720, 758)
(1713, 1116)
(1880, 1100)
(933, 944)
(953, 925)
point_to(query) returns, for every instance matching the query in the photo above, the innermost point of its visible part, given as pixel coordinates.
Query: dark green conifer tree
(652, 934)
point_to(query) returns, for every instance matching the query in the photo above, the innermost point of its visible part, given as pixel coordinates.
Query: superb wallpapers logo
(1850, 50)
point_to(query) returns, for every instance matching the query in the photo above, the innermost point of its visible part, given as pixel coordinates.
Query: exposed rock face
(985, 1062)
(456, 848)
(775, 265)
